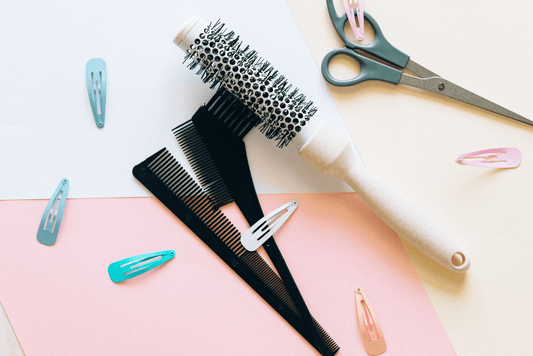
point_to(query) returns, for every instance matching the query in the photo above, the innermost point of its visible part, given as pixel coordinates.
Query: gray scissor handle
(379, 47)
(370, 70)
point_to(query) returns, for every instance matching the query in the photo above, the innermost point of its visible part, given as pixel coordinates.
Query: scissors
(382, 49)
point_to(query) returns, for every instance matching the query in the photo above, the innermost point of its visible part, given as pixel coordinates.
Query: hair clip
(96, 73)
(507, 157)
(369, 325)
(51, 220)
(132, 267)
(263, 229)
(351, 7)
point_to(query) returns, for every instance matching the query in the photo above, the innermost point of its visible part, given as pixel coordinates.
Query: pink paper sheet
(61, 301)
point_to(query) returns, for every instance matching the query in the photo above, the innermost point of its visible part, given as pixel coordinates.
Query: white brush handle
(330, 153)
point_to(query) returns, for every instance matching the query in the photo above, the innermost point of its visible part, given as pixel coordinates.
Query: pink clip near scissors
(507, 157)
(351, 7)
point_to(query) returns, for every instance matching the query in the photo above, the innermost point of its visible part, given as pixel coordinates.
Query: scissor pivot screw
(441, 86)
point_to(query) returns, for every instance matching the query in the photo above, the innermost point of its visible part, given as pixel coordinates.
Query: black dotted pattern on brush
(222, 60)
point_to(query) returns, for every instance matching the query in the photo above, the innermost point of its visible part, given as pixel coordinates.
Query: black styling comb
(212, 142)
(166, 179)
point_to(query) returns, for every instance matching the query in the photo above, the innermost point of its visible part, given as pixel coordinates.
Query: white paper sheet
(47, 131)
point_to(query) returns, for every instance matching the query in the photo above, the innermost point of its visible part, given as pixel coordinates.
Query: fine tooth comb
(506, 157)
(222, 60)
(51, 220)
(369, 325)
(96, 76)
(212, 142)
(220, 177)
(133, 266)
(262, 230)
(166, 179)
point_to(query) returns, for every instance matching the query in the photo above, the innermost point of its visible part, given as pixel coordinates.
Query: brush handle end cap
(189, 31)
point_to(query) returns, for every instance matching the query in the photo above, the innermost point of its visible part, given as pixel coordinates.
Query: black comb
(166, 179)
(212, 142)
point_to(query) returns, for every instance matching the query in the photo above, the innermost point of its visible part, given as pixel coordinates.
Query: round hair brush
(222, 60)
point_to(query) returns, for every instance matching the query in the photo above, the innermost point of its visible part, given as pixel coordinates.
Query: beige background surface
(411, 139)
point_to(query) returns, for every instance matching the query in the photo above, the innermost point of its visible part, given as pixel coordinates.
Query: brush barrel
(330, 153)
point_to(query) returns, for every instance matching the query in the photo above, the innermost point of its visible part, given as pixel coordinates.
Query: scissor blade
(447, 88)
(419, 70)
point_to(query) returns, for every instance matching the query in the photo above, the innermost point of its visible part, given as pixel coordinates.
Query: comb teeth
(227, 118)
(173, 186)
(172, 174)
(224, 61)
(202, 163)
(232, 113)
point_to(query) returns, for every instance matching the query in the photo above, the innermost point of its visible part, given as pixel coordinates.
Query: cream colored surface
(411, 138)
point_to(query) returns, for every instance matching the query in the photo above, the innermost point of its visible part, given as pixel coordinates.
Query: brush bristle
(231, 112)
(224, 61)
